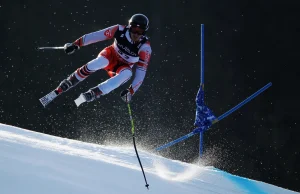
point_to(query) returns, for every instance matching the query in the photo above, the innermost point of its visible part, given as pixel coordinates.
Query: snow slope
(36, 163)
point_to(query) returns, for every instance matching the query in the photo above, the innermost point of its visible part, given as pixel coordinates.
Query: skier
(204, 116)
(130, 47)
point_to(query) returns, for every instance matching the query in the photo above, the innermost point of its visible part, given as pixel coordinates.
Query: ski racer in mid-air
(130, 47)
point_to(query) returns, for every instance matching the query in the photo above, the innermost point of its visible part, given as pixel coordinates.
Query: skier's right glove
(70, 48)
(126, 95)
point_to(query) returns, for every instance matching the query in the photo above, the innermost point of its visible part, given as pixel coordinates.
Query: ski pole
(133, 137)
(50, 48)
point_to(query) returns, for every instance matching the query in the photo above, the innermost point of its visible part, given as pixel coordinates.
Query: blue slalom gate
(220, 117)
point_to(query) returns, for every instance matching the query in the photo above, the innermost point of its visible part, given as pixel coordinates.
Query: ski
(48, 98)
(80, 100)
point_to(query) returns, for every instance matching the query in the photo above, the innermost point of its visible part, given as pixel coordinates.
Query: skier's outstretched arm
(93, 37)
(100, 35)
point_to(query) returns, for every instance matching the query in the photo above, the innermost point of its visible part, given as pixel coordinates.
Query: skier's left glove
(127, 94)
(70, 48)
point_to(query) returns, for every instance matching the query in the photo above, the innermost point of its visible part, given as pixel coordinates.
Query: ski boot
(66, 84)
(91, 95)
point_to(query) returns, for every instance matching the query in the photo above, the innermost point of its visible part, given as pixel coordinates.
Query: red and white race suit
(117, 59)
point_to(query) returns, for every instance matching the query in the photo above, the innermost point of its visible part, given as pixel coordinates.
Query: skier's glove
(70, 48)
(127, 94)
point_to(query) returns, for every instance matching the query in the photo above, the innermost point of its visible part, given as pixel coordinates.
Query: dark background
(247, 45)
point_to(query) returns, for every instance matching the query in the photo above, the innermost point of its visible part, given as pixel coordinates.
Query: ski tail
(80, 100)
(48, 98)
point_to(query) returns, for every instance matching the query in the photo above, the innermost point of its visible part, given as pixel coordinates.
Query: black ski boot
(92, 94)
(66, 84)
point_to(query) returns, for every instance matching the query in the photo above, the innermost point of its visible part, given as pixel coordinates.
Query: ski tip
(79, 100)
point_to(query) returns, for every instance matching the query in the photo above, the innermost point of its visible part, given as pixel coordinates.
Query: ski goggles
(134, 29)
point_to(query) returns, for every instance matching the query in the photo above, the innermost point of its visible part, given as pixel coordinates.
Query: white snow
(36, 163)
